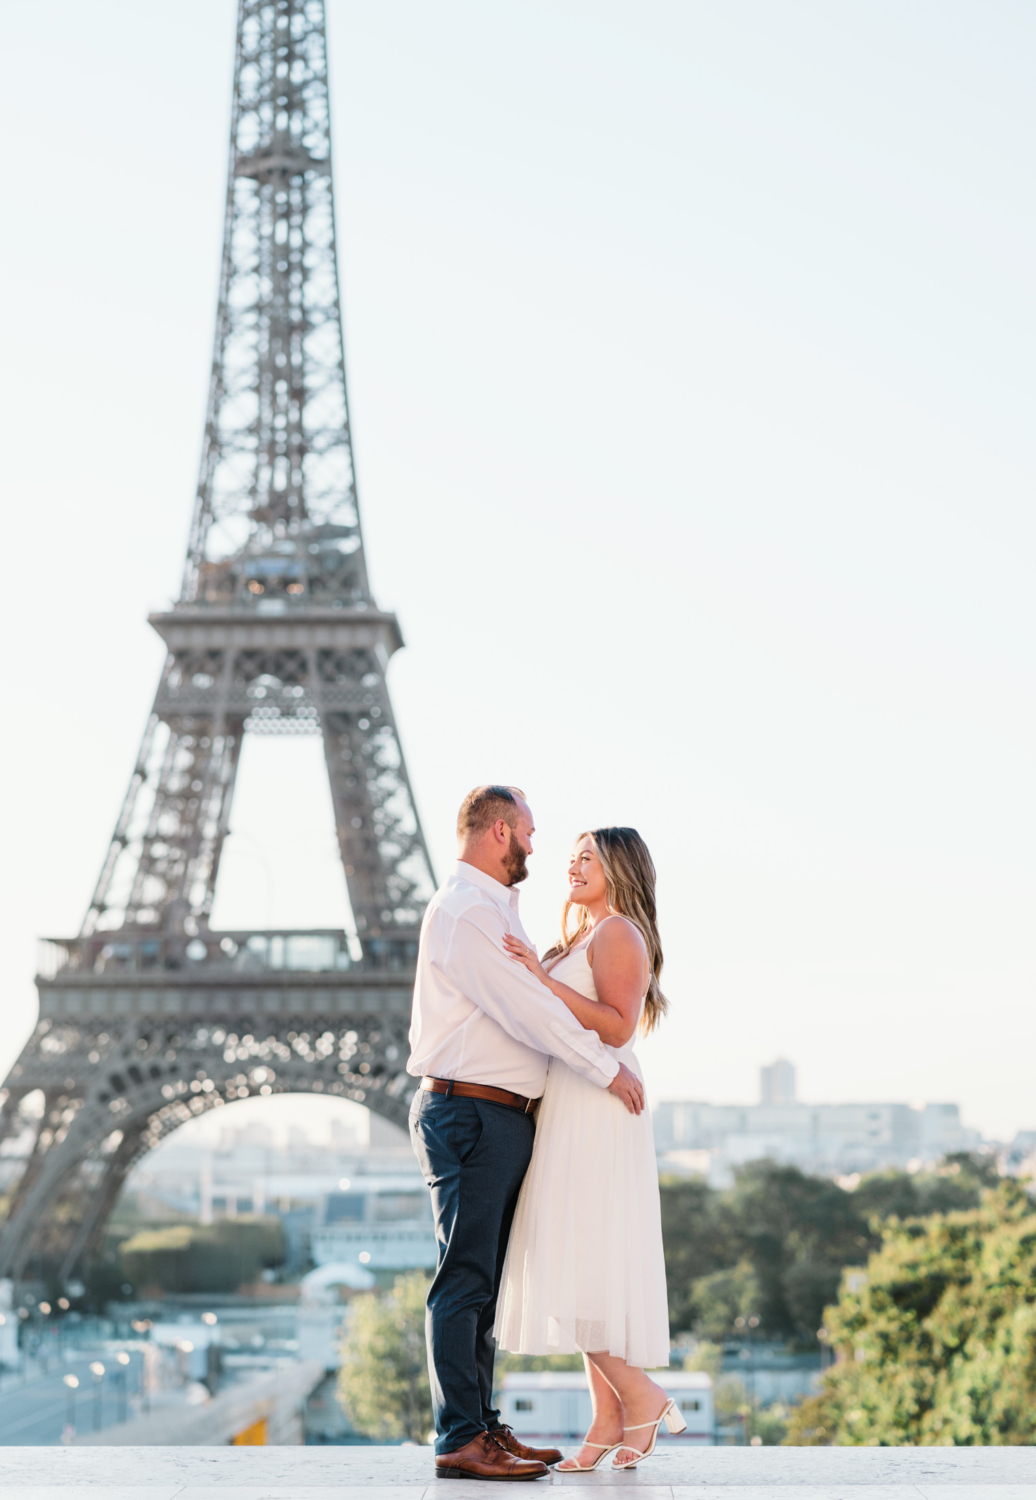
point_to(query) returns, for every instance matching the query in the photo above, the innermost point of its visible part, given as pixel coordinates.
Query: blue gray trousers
(474, 1156)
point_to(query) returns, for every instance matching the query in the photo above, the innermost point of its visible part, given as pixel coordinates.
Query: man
(482, 1033)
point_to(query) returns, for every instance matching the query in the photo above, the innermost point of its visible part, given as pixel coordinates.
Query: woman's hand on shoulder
(517, 950)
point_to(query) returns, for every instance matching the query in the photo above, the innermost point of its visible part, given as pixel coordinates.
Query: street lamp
(97, 1371)
(123, 1359)
(745, 1328)
(72, 1382)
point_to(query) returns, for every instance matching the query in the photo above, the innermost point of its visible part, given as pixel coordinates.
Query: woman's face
(586, 883)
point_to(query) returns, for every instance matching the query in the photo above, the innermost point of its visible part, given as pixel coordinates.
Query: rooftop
(381, 1473)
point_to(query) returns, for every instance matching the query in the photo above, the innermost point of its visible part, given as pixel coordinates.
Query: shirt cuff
(610, 1069)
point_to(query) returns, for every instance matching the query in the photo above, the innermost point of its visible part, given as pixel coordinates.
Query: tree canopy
(383, 1383)
(774, 1245)
(216, 1257)
(936, 1338)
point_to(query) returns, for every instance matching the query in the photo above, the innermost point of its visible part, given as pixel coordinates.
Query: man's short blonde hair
(482, 807)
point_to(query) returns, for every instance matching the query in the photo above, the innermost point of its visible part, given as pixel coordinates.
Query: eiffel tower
(150, 1017)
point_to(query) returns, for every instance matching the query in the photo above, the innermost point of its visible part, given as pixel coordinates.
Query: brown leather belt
(451, 1088)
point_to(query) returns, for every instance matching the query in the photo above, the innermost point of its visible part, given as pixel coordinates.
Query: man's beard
(514, 862)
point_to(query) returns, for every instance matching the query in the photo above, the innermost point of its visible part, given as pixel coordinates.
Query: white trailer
(556, 1404)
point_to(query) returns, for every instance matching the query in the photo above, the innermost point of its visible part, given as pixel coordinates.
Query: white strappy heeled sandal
(673, 1421)
(569, 1465)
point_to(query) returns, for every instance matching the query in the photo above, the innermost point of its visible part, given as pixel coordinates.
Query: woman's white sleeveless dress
(584, 1268)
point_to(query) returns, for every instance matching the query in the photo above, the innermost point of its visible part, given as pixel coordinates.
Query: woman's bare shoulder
(618, 934)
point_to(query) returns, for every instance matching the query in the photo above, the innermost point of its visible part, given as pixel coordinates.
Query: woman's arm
(619, 958)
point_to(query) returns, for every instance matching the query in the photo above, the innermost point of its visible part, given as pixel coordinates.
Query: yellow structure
(255, 1436)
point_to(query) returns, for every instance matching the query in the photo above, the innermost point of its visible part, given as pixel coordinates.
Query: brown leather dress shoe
(506, 1438)
(485, 1458)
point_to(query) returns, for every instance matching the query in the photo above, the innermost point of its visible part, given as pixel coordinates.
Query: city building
(348, 1198)
(380, 1222)
(1019, 1158)
(777, 1083)
(698, 1139)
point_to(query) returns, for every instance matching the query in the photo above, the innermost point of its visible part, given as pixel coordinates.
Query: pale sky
(691, 363)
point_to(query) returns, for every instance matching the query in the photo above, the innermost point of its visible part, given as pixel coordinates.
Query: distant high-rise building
(777, 1083)
(840, 1140)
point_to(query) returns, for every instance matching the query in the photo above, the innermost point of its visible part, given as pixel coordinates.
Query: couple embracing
(531, 1131)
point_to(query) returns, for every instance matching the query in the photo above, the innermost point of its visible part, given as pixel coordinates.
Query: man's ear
(501, 829)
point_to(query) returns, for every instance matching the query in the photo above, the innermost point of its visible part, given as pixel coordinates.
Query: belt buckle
(530, 1105)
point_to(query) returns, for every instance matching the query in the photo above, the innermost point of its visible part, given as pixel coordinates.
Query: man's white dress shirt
(479, 1017)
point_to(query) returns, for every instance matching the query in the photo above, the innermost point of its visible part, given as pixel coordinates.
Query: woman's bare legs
(640, 1398)
(606, 1427)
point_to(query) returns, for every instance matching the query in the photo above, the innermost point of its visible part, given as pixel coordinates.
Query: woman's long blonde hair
(629, 875)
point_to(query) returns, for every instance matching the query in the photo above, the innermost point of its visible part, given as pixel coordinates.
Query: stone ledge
(381, 1473)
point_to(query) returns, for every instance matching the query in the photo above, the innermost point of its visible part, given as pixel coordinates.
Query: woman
(584, 1266)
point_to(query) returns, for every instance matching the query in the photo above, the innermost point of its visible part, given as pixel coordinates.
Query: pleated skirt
(584, 1268)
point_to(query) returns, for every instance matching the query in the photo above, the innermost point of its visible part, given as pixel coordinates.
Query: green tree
(383, 1382)
(956, 1183)
(798, 1232)
(770, 1423)
(719, 1299)
(937, 1337)
(792, 1233)
(731, 1401)
(697, 1241)
(795, 1233)
(705, 1356)
(505, 1362)
(216, 1257)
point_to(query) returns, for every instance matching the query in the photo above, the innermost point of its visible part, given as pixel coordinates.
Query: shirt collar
(508, 894)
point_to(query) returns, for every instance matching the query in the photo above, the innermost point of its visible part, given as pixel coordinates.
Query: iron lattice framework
(149, 1016)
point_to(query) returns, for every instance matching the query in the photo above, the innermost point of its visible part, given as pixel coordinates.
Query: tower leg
(101, 1203)
(35, 1202)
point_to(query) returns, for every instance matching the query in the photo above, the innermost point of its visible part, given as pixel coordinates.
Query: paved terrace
(363, 1473)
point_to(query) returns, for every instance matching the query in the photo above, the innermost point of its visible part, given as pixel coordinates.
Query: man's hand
(628, 1087)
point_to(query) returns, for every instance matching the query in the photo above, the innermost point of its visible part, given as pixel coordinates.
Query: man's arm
(476, 962)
